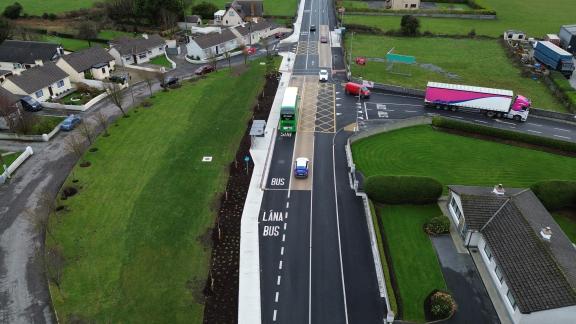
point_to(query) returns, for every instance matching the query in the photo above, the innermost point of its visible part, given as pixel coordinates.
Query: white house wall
(11, 66)
(98, 74)
(74, 76)
(231, 18)
(451, 210)
(564, 315)
(13, 88)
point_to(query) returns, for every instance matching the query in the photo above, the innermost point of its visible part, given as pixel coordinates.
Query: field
(453, 159)
(533, 17)
(271, 7)
(37, 7)
(70, 44)
(414, 259)
(136, 237)
(474, 62)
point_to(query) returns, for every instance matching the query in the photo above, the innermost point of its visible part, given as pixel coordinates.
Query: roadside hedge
(421, 11)
(566, 92)
(397, 190)
(556, 194)
(448, 123)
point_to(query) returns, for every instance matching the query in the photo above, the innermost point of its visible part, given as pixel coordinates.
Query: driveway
(463, 280)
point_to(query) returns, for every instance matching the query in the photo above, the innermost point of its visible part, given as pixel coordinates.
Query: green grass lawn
(113, 34)
(454, 159)
(567, 221)
(162, 61)
(414, 259)
(271, 7)
(8, 158)
(475, 62)
(132, 237)
(70, 44)
(38, 7)
(354, 4)
(532, 16)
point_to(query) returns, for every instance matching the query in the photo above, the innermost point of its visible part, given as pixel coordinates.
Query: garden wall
(12, 167)
(30, 138)
(84, 107)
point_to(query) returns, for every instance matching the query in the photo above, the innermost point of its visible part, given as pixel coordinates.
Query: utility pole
(350, 50)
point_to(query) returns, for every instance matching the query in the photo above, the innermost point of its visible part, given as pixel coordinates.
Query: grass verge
(416, 267)
(134, 242)
(567, 221)
(472, 62)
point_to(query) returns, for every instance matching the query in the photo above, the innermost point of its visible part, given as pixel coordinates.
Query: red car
(204, 69)
(356, 89)
(251, 50)
(360, 60)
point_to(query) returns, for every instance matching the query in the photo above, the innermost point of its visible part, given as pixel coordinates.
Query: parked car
(30, 104)
(251, 50)
(170, 81)
(323, 75)
(356, 89)
(204, 69)
(119, 78)
(312, 28)
(301, 167)
(323, 39)
(70, 123)
(279, 35)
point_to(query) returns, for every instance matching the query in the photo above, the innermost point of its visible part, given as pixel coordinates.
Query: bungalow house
(190, 22)
(91, 63)
(219, 16)
(252, 32)
(530, 261)
(213, 44)
(128, 50)
(402, 4)
(20, 55)
(42, 82)
(242, 10)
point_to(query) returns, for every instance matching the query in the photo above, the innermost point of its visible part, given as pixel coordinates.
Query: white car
(323, 75)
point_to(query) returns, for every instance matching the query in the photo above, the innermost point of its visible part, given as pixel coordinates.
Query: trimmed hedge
(567, 93)
(437, 225)
(504, 134)
(556, 194)
(397, 190)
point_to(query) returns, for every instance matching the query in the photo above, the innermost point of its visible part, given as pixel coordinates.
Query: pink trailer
(493, 102)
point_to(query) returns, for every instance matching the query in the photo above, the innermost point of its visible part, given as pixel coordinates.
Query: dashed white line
(274, 316)
(276, 297)
(283, 237)
(280, 265)
(278, 280)
(287, 204)
(458, 117)
(285, 224)
(410, 111)
(282, 251)
(533, 131)
(286, 214)
(561, 129)
(534, 124)
(564, 137)
(480, 121)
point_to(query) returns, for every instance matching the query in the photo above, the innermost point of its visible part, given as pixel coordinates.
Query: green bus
(289, 111)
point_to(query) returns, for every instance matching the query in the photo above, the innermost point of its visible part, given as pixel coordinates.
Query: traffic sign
(407, 59)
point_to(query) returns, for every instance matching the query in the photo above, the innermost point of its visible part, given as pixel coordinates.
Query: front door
(51, 92)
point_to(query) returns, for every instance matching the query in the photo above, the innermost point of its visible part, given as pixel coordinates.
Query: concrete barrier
(169, 60)
(12, 167)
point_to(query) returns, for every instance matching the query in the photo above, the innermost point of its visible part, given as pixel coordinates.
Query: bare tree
(212, 60)
(87, 131)
(115, 94)
(168, 21)
(149, 82)
(103, 122)
(74, 147)
(229, 58)
(88, 30)
(10, 112)
(245, 53)
(54, 262)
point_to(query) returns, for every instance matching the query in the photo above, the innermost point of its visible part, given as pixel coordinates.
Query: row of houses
(44, 70)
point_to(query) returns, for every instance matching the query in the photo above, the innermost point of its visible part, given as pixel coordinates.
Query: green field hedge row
(504, 134)
(422, 11)
(556, 194)
(565, 88)
(397, 190)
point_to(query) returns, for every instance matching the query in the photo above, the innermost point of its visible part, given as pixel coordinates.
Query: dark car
(119, 78)
(70, 123)
(204, 69)
(312, 28)
(170, 82)
(30, 104)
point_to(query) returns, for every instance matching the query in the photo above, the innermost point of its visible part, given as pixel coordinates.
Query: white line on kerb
(282, 251)
(278, 280)
(276, 298)
(285, 224)
(564, 137)
(561, 129)
(283, 237)
(533, 131)
(280, 265)
(274, 316)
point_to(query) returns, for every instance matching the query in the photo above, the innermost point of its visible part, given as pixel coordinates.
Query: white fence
(12, 167)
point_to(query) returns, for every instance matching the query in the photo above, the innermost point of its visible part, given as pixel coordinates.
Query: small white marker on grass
(207, 159)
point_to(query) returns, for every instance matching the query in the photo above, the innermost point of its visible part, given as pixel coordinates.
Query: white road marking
(274, 316)
(278, 280)
(411, 111)
(561, 129)
(534, 124)
(280, 265)
(393, 103)
(282, 251)
(480, 121)
(283, 237)
(365, 111)
(276, 298)
(285, 224)
(505, 122)
(458, 117)
(560, 136)
(533, 131)
(286, 215)
(287, 204)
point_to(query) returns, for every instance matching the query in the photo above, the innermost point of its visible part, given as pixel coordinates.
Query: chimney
(38, 62)
(499, 189)
(546, 233)
(145, 36)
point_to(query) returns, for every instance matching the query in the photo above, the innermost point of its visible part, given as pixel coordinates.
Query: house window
(39, 93)
(149, 52)
(142, 56)
(498, 272)
(160, 48)
(104, 70)
(510, 35)
(453, 202)
(488, 252)
(457, 211)
(231, 13)
(16, 66)
(413, 5)
(511, 299)
(406, 6)
(60, 83)
(520, 36)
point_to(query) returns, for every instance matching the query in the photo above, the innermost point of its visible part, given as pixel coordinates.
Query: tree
(409, 25)
(115, 95)
(229, 58)
(5, 29)
(212, 60)
(245, 53)
(168, 20)
(149, 82)
(149, 9)
(121, 10)
(103, 122)
(13, 11)
(87, 131)
(88, 30)
(75, 147)
(205, 10)
(10, 112)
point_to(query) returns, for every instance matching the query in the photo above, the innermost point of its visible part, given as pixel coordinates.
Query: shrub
(556, 194)
(13, 11)
(441, 305)
(437, 225)
(403, 189)
(504, 134)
